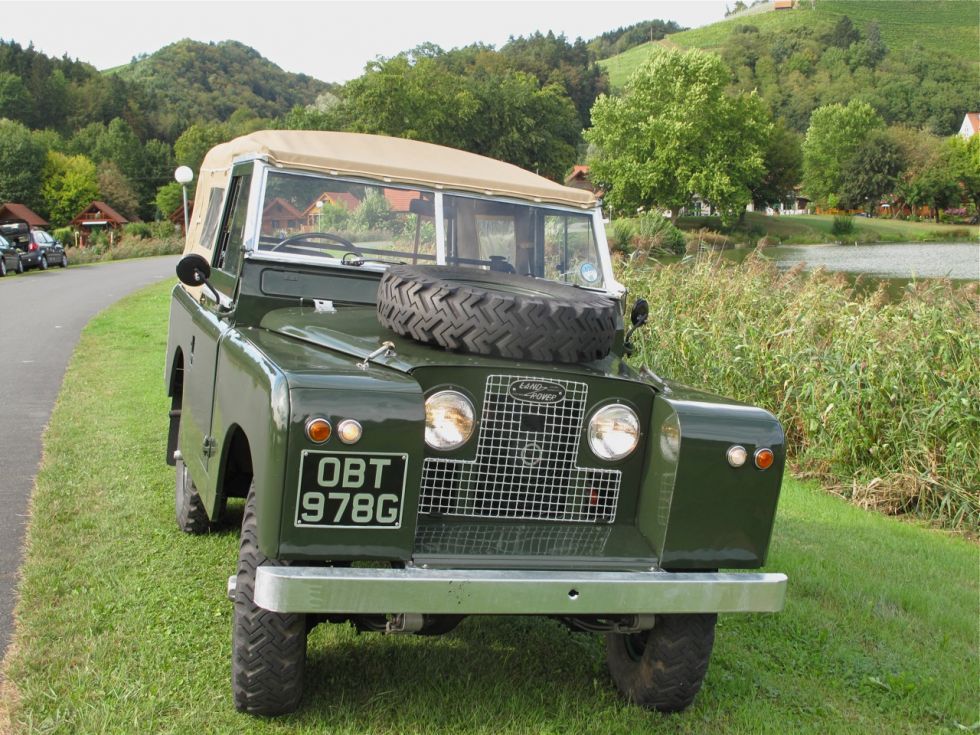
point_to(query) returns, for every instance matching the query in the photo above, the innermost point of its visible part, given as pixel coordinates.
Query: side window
(212, 217)
(233, 227)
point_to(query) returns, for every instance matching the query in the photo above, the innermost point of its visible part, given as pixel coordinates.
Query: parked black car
(10, 258)
(38, 249)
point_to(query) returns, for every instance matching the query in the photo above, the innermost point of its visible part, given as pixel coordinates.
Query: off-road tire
(188, 506)
(44, 262)
(268, 657)
(662, 668)
(497, 314)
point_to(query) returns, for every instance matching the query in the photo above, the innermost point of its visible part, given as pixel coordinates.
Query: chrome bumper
(494, 592)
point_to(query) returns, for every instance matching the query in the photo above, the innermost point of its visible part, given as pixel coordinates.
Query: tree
(191, 147)
(69, 183)
(964, 159)
(871, 172)
(168, 198)
(21, 160)
(15, 102)
(783, 164)
(117, 190)
(835, 133)
(496, 112)
(674, 133)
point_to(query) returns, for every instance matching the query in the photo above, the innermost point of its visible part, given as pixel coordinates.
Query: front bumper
(493, 592)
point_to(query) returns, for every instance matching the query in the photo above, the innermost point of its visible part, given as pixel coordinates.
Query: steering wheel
(304, 236)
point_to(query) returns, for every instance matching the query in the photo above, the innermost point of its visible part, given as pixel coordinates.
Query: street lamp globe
(184, 175)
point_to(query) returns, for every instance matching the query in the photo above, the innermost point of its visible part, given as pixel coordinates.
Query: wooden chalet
(95, 217)
(11, 210)
(177, 216)
(280, 216)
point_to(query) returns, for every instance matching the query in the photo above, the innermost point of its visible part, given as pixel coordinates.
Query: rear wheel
(268, 657)
(3, 267)
(662, 668)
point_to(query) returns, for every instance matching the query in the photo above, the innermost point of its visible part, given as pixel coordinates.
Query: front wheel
(3, 267)
(268, 658)
(662, 668)
(20, 265)
(189, 508)
(44, 262)
(64, 260)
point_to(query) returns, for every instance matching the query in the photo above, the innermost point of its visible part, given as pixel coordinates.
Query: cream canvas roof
(395, 159)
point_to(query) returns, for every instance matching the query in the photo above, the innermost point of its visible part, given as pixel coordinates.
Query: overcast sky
(330, 40)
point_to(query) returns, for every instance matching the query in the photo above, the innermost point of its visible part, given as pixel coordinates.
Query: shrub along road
(43, 314)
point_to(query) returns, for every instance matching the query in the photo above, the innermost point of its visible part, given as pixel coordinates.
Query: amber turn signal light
(764, 458)
(318, 430)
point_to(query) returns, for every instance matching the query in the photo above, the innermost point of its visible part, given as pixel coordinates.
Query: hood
(355, 331)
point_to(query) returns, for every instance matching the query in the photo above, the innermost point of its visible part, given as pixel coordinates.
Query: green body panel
(280, 360)
(698, 511)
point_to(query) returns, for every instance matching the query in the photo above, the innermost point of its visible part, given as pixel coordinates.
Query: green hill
(189, 80)
(939, 25)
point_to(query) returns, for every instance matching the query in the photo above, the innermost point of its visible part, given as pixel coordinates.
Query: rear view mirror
(640, 313)
(193, 270)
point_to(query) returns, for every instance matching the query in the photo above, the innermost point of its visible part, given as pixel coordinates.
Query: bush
(843, 225)
(767, 242)
(64, 235)
(877, 397)
(140, 230)
(656, 231)
(623, 231)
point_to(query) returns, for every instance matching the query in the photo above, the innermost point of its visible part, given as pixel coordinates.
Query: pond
(959, 261)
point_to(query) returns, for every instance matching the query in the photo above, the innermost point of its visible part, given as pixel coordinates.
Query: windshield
(517, 238)
(322, 217)
(312, 215)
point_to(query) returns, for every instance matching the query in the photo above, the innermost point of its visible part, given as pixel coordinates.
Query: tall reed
(878, 396)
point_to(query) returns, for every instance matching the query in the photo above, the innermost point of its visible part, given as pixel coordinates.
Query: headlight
(614, 431)
(448, 420)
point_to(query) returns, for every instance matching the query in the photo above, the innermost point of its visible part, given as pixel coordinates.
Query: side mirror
(638, 317)
(194, 270)
(640, 313)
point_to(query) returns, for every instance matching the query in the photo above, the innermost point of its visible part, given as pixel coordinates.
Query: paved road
(41, 316)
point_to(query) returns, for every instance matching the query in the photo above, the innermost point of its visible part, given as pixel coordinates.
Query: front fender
(251, 393)
(697, 510)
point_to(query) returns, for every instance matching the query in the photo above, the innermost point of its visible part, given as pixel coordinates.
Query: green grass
(940, 25)
(123, 626)
(807, 229)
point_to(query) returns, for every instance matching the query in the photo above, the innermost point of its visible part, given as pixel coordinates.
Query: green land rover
(413, 364)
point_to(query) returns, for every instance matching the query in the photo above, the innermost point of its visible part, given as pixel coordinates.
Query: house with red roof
(400, 200)
(11, 210)
(280, 216)
(97, 216)
(971, 125)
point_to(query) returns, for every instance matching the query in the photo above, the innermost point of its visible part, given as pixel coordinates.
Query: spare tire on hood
(499, 314)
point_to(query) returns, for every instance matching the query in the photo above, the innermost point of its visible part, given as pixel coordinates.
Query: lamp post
(184, 176)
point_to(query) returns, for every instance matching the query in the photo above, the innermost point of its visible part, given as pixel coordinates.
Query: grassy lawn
(123, 625)
(805, 229)
(941, 25)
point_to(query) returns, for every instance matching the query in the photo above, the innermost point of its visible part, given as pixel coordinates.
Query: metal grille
(525, 463)
(516, 539)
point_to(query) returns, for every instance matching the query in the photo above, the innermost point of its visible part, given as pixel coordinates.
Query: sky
(330, 39)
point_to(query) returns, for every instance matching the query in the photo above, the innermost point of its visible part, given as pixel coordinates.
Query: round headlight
(614, 431)
(448, 420)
